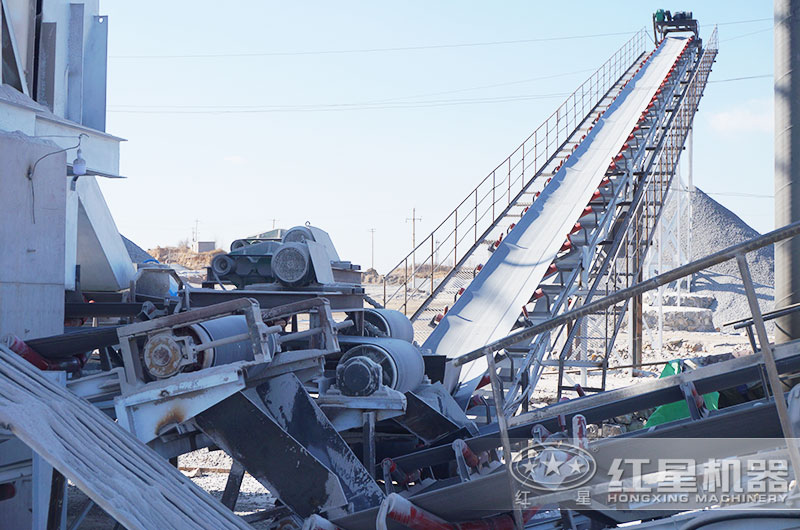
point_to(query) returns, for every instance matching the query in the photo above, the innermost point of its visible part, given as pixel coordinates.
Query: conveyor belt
(126, 478)
(491, 304)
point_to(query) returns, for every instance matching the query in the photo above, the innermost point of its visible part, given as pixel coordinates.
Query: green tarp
(679, 409)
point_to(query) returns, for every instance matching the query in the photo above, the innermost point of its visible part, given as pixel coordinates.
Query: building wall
(203, 246)
(32, 237)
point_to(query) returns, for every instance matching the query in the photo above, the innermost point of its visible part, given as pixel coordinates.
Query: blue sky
(232, 123)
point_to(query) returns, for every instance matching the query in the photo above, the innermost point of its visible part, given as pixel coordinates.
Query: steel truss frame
(447, 251)
(618, 245)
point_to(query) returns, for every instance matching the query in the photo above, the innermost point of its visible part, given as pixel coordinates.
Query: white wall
(32, 237)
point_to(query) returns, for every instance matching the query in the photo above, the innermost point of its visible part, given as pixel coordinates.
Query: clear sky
(235, 118)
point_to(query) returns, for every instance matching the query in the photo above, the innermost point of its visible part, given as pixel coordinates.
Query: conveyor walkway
(491, 304)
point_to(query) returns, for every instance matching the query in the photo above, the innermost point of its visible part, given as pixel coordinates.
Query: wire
(404, 48)
(397, 99)
(131, 109)
(740, 22)
(747, 34)
(391, 103)
(761, 76)
(32, 171)
(729, 194)
(733, 194)
(495, 85)
(372, 50)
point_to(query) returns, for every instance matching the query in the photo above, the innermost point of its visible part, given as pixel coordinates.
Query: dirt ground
(208, 469)
(677, 345)
(253, 496)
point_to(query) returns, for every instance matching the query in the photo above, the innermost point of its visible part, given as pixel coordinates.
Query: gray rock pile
(714, 228)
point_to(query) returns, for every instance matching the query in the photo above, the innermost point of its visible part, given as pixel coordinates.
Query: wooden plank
(126, 478)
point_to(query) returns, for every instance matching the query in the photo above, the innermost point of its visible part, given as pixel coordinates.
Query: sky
(241, 116)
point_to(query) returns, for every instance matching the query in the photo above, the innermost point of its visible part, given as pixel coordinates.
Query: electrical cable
(403, 48)
(736, 37)
(761, 76)
(32, 171)
(371, 50)
(329, 107)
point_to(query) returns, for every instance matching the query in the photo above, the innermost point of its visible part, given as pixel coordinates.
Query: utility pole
(414, 220)
(372, 236)
(273, 222)
(195, 230)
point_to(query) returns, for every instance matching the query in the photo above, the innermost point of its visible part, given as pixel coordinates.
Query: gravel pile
(714, 228)
(137, 253)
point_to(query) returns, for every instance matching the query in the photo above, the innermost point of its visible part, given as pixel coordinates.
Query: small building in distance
(203, 246)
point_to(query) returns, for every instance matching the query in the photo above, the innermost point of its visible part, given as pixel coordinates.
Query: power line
(747, 34)
(403, 48)
(739, 78)
(394, 103)
(371, 50)
(494, 85)
(728, 194)
(733, 194)
(328, 107)
(740, 22)
(398, 99)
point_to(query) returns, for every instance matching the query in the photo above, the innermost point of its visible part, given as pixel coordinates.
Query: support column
(787, 164)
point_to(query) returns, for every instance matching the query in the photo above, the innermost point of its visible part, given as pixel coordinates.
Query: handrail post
(433, 251)
(455, 241)
(475, 226)
(405, 287)
(509, 181)
(494, 200)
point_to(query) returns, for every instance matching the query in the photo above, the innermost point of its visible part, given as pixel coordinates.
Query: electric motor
(291, 264)
(401, 362)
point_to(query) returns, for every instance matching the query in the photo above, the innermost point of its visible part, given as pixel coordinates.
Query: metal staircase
(639, 182)
(603, 251)
(426, 282)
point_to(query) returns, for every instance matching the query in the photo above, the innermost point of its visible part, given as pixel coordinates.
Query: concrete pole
(414, 220)
(787, 163)
(372, 236)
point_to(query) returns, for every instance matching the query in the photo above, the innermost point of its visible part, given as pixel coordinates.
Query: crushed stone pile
(137, 253)
(714, 228)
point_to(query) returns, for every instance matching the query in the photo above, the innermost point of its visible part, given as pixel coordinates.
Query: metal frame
(608, 252)
(652, 171)
(129, 335)
(447, 250)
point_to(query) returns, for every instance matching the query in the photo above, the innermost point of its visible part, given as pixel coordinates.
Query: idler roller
(221, 328)
(164, 354)
(392, 323)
